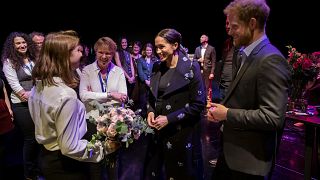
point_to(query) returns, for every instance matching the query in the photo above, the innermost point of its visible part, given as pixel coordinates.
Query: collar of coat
(181, 77)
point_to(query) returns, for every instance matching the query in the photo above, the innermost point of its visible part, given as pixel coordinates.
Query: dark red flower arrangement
(304, 68)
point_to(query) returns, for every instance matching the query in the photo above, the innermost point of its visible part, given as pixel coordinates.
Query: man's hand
(217, 112)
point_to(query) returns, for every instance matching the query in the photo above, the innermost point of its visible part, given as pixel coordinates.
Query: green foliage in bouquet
(116, 124)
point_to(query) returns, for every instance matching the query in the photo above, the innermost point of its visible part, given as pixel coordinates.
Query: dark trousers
(56, 166)
(30, 146)
(130, 88)
(215, 92)
(224, 86)
(11, 155)
(222, 171)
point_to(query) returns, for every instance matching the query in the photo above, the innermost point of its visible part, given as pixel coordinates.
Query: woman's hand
(150, 119)
(23, 95)
(161, 122)
(118, 96)
(26, 95)
(132, 80)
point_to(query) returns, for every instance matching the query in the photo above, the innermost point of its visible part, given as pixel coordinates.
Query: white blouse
(91, 89)
(59, 119)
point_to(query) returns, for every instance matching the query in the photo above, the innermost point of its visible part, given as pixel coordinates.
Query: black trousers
(31, 147)
(222, 171)
(55, 166)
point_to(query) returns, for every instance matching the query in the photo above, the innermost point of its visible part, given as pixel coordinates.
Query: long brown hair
(54, 60)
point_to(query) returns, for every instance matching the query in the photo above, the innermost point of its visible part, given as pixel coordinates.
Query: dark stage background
(141, 20)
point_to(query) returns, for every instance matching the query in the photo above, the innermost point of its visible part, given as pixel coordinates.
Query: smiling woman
(18, 57)
(104, 82)
(175, 103)
(59, 116)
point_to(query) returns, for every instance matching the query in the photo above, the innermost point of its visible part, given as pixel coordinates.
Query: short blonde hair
(107, 43)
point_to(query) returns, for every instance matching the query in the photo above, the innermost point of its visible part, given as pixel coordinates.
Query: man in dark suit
(205, 54)
(253, 110)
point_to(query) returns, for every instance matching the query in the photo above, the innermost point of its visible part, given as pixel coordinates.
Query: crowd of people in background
(48, 80)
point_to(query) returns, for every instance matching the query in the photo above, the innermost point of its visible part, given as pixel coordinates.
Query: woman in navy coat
(175, 105)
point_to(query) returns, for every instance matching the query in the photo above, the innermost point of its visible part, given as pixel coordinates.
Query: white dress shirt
(59, 119)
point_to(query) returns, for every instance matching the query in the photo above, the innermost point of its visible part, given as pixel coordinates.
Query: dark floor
(290, 160)
(289, 164)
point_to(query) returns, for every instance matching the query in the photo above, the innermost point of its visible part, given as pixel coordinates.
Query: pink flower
(102, 128)
(111, 132)
(291, 54)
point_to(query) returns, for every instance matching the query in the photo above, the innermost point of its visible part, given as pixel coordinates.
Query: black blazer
(257, 100)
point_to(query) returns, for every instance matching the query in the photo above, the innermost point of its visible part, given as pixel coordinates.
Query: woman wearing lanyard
(17, 56)
(104, 82)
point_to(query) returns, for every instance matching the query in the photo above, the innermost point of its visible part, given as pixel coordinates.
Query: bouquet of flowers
(116, 125)
(304, 67)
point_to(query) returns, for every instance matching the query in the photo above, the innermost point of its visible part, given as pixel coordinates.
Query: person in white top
(18, 57)
(104, 82)
(58, 115)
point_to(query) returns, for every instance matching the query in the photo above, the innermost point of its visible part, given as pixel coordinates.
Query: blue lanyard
(103, 83)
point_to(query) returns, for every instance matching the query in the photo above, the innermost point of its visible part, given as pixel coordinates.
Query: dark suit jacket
(257, 100)
(209, 58)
